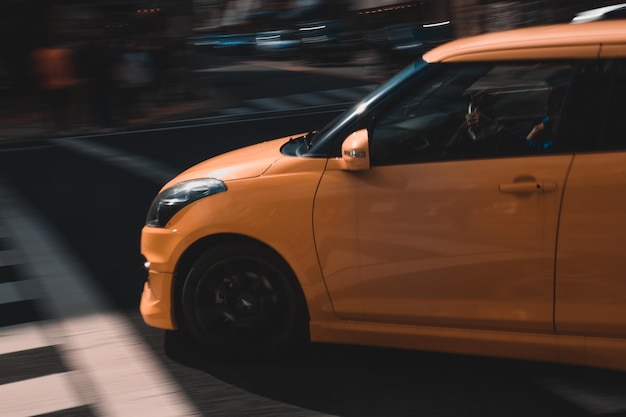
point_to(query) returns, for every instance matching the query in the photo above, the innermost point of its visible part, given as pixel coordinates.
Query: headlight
(171, 200)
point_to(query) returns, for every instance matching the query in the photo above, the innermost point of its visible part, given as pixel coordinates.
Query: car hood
(248, 162)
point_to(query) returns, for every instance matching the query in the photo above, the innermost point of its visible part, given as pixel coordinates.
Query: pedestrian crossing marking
(9, 258)
(15, 291)
(21, 337)
(45, 394)
(9, 293)
(292, 101)
(111, 369)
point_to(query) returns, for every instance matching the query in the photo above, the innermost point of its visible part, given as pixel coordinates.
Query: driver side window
(474, 111)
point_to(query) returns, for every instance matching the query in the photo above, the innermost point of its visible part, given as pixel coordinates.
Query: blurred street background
(70, 66)
(104, 101)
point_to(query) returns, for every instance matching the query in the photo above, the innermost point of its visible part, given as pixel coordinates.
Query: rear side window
(474, 111)
(615, 119)
(599, 97)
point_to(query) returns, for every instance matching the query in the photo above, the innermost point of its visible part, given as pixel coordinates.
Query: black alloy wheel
(243, 300)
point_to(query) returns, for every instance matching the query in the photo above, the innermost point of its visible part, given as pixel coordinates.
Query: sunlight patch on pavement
(21, 337)
(42, 395)
(113, 371)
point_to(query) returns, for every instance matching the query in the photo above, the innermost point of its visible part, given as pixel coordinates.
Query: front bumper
(156, 301)
(161, 249)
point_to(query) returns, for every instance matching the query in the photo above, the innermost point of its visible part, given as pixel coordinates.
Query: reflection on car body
(615, 11)
(399, 224)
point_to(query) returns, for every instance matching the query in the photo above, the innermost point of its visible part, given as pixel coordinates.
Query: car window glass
(431, 122)
(594, 115)
(615, 136)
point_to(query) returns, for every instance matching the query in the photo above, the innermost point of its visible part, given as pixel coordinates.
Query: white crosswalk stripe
(303, 100)
(293, 102)
(99, 364)
(44, 394)
(138, 165)
(21, 337)
(349, 94)
(12, 292)
(9, 293)
(31, 396)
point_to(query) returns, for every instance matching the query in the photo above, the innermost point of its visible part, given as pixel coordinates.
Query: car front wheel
(243, 300)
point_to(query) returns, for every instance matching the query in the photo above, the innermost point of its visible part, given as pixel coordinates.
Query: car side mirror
(355, 152)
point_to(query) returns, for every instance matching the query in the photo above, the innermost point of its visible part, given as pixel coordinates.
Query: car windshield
(432, 99)
(317, 146)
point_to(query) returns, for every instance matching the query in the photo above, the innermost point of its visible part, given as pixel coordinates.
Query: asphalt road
(69, 250)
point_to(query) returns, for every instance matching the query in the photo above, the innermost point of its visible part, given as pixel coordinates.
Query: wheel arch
(193, 252)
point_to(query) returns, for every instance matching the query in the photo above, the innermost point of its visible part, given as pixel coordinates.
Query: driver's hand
(536, 129)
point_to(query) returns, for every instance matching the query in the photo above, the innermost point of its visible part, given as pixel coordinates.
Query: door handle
(527, 187)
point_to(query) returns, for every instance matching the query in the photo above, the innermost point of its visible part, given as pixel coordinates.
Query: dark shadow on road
(367, 382)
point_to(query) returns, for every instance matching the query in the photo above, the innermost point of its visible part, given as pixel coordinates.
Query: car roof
(589, 40)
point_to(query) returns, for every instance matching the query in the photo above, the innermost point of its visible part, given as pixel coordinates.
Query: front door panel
(461, 244)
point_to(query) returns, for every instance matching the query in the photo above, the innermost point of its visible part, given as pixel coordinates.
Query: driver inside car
(540, 137)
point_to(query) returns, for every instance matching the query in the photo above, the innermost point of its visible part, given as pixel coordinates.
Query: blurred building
(479, 16)
(469, 16)
(25, 24)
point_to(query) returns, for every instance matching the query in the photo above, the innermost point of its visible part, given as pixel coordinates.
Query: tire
(242, 300)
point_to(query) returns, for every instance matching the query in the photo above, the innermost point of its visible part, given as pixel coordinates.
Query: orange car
(475, 203)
